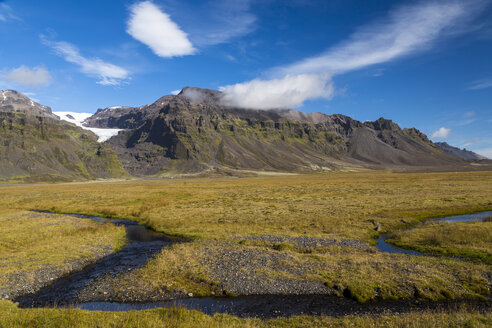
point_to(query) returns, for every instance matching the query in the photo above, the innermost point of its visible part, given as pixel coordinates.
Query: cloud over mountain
(290, 91)
(407, 30)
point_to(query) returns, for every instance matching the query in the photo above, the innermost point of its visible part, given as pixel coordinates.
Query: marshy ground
(304, 234)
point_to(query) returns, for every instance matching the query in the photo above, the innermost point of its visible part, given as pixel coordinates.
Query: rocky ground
(29, 282)
(231, 269)
(304, 243)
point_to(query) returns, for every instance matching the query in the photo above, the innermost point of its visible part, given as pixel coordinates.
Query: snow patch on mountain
(79, 118)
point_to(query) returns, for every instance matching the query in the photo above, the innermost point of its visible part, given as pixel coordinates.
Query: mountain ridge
(193, 132)
(462, 153)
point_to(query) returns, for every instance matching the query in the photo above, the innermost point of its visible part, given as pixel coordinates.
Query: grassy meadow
(216, 215)
(468, 239)
(340, 205)
(74, 318)
(33, 241)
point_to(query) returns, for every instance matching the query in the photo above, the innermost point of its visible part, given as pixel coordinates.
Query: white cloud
(175, 92)
(154, 28)
(408, 30)
(442, 133)
(290, 91)
(107, 73)
(36, 76)
(480, 84)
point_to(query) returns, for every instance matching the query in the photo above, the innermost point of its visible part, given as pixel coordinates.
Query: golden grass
(334, 205)
(30, 241)
(11, 316)
(470, 239)
(329, 205)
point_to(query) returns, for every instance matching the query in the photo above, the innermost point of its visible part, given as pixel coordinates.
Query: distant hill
(35, 145)
(193, 132)
(462, 153)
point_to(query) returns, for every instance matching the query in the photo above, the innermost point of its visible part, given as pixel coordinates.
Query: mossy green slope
(193, 132)
(36, 147)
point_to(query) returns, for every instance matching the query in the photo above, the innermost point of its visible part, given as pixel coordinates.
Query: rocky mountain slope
(35, 145)
(193, 132)
(462, 153)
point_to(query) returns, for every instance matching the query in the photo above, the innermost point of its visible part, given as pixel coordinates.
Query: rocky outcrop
(35, 145)
(193, 132)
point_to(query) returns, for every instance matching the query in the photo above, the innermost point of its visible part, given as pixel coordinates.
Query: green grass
(326, 205)
(468, 239)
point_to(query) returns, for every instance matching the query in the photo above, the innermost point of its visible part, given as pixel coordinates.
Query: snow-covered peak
(79, 118)
(72, 117)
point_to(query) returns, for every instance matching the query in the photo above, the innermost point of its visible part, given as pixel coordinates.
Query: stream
(384, 247)
(145, 243)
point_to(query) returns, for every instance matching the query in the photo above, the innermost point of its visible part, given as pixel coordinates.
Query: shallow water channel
(145, 243)
(384, 247)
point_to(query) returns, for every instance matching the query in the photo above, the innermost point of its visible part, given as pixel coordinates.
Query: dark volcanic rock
(193, 132)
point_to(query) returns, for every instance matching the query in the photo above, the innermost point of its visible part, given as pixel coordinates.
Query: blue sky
(423, 64)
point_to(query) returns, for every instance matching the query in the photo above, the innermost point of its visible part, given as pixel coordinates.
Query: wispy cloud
(442, 133)
(225, 20)
(6, 13)
(407, 30)
(36, 76)
(480, 84)
(154, 28)
(107, 73)
(470, 141)
(290, 91)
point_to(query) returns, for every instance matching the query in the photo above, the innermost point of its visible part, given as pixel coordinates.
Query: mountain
(192, 133)
(35, 145)
(462, 153)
